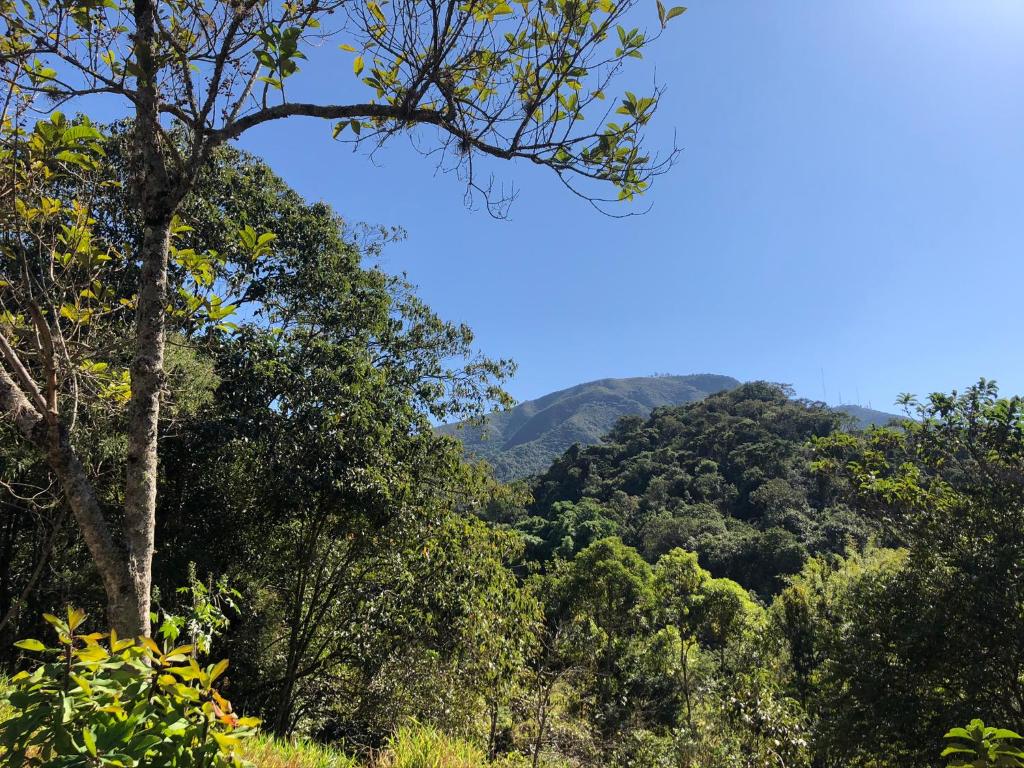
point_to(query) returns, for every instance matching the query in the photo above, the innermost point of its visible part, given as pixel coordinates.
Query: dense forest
(729, 477)
(742, 580)
(232, 533)
(524, 440)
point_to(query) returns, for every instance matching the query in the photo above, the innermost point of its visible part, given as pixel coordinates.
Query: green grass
(266, 752)
(424, 747)
(414, 746)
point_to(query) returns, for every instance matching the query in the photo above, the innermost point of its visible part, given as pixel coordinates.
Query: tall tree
(901, 644)
(498, 79)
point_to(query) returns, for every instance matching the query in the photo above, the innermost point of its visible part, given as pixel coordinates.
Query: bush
(103, 701)
(981, 746)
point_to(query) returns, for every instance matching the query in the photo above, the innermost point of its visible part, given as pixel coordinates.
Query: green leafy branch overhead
(524, 79)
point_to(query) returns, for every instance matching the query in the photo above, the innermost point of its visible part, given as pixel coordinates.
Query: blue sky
(849, 201)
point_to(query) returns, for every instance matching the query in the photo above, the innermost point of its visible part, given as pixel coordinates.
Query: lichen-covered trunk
(147, 380)
(157, 195)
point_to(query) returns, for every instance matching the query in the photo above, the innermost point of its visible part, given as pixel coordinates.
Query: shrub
(981, 746)
(98, 700)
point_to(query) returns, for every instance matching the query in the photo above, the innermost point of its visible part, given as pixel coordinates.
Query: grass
(6, 710)
(415, 746)
(423, 747)
(266, 752)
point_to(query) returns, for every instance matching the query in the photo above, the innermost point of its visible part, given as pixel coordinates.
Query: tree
(598, 607)
(728, 477)
(899, 644)
(494, 79)
(678, 583)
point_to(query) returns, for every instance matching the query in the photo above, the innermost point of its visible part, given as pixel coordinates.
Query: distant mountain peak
(867, 417)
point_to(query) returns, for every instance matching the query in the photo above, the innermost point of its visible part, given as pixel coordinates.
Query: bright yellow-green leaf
(218, 669)
(90, 741)
(30, 645)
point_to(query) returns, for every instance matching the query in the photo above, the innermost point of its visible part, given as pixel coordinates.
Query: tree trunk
(49, 436)
(492, 736)
(686, 683)
(131, 617)
(158, 193)
(125, 562)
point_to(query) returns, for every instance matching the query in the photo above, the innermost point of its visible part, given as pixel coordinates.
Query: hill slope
(729, 477)
(868, 417)
(524, 440)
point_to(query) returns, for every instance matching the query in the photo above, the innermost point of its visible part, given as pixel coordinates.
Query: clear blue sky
(850, 199)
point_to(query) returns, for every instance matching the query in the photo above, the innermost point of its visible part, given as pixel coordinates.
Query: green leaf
(90, 741)
(30, 645)
(678, 10)
(1003, 733)
(218, 669)
(956, 751)
(957, 733)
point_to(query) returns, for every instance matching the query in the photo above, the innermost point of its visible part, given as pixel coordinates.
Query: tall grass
(419, 746)
(266, 752)
(6, 710)
(414, 746)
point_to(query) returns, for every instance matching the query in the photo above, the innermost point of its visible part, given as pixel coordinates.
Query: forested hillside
(525, 439)
(728, 477)
(232, 534)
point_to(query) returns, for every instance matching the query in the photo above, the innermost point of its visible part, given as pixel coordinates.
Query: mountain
(730, 477)
(868, 417)
(526, 439)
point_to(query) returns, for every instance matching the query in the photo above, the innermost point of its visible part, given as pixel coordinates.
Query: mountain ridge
(525, 439)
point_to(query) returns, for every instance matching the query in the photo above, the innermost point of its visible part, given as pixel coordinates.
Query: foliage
(524, 440)
(978, 746)
(414, 745)
(657, 666)
(499, 79)
(301, 449)
(6, 710)
(105, 701)
(728, 477)
(491, 79)
(420, 747)
(889, 647)
(264, 751)
(204, 616)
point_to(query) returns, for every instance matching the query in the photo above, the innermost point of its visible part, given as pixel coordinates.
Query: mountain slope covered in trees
(525, 440)
(729, 477)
